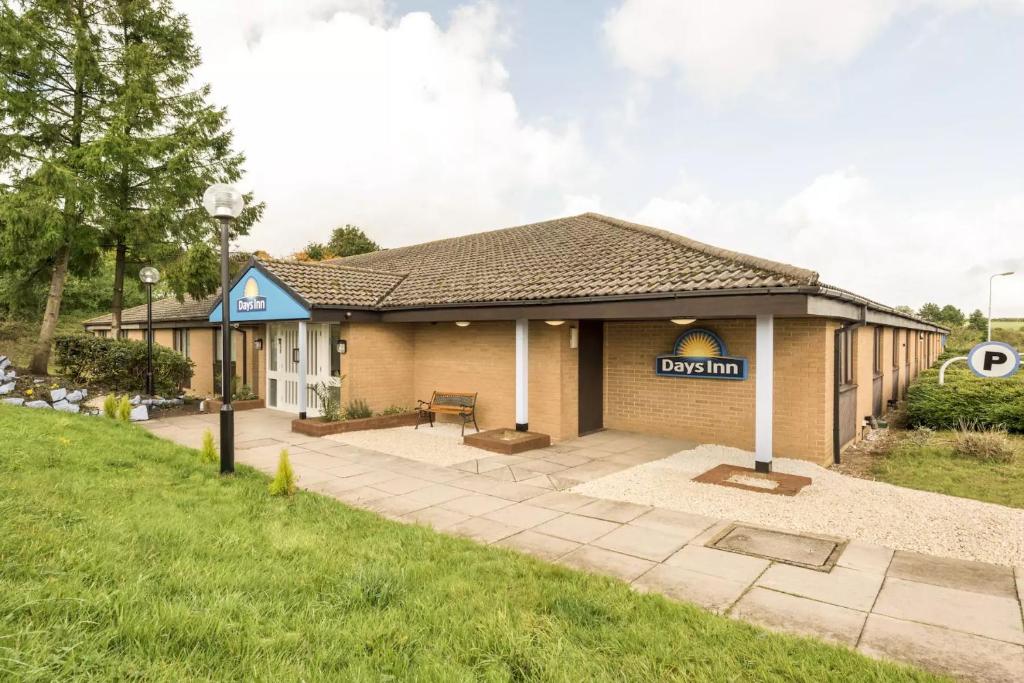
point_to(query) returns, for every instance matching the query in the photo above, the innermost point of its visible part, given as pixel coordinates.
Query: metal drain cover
(813, 552)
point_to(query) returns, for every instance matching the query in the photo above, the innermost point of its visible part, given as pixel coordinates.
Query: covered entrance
(285, 365)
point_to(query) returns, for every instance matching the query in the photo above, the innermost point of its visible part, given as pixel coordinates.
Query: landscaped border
(317, 427)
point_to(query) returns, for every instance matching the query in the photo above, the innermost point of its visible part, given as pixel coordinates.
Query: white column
(302, 370)
(764, 381)
(522, 374)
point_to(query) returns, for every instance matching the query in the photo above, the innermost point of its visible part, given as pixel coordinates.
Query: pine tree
(124, 409)
(209, 451)
(284, 481)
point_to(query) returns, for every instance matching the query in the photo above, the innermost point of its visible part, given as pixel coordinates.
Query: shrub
(124, 409)
(921, 436)
(110, 406)
(394, 410)
(120, 363)
(209, 451)
(358, 409)
(965, 397)
(329, 395)
(241, 392)
(985, 444)
(284, 481)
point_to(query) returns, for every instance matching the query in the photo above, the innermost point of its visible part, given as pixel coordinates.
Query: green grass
(935, 467)
(1014, 324)
(124, 558)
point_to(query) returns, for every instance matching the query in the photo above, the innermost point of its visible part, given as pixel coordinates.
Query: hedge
(964, 396)
(120, 364)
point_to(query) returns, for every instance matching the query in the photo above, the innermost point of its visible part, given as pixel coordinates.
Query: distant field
(1008, 324)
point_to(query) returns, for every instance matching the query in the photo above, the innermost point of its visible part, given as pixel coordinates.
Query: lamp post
(149, 276)
(225, 203)
(991, 278)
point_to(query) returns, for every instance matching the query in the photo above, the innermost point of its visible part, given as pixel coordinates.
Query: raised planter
(507, 441)
(213, 405)
(318, 427)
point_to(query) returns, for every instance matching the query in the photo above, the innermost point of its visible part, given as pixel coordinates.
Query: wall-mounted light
(258, 344)
(554, 323)
(295, 355)
(574, 337)
(683, 321)
(341, 346)
(462, 323)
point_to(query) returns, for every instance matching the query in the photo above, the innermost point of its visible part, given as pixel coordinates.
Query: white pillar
(764, 382)
(302, 370)
(522, 374)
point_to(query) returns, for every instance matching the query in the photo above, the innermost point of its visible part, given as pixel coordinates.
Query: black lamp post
(225, 203)
(149, 276)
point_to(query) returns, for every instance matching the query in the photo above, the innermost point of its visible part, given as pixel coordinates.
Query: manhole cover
(813, 552)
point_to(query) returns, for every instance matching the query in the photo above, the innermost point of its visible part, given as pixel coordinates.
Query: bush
(394, 410)
(965, 398)
(985, 444)
(120, 364)
(358, 409)
(124, 409)
(110, 406)
(209, 451)
(284, 481)
(329, 395)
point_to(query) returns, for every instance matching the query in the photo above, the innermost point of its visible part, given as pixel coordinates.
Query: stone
(75, 396)
(85, 392)
(14, 401)
(642, 542)
(58, 394)
(147, 401)
(801, 616)
(6, 388)
(844, 587)
(139, 414)
(4, 362)
(136, 400)
(66, 407)
(38, 404)
(11, 374)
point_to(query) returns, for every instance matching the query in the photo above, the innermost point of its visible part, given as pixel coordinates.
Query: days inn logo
(701, 354)
(251, 301)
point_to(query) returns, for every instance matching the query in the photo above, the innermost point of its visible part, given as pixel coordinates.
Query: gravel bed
(834, 504)
(440, 446)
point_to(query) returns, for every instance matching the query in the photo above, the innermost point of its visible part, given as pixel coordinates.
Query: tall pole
(149, 339)
(227, 413)
(991, 278)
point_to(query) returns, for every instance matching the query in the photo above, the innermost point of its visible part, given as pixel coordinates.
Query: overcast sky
(878, 142)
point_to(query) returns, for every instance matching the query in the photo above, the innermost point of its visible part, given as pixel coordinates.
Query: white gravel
(834, 504)
(440, 446)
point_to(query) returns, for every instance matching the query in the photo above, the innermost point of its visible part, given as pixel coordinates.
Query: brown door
(591, 368)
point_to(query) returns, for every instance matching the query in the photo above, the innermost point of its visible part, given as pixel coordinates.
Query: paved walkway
(951, 616)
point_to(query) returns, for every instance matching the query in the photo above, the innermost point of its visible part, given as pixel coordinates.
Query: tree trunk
(117, 303)
(41, 358)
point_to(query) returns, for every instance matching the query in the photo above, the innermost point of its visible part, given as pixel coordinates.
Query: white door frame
(283, 342)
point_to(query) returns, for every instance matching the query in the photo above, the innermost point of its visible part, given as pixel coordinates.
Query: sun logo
(700, 354)
(252, 288)
(699, 344)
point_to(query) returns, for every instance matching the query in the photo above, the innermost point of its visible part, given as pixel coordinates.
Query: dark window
(335, 356)
(878, 351)
(895, 347)
(846, 357)
(122, 334)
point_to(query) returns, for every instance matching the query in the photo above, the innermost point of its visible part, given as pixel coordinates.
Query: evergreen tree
(978, 321)
(951, 316)
(931, 312)
(51, 95)
(350, 240)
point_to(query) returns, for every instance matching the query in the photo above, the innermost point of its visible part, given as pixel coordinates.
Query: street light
(225, 203)
(149, 276)
(990, 300)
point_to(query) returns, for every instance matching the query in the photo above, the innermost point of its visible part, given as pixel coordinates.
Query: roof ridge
(804, 275)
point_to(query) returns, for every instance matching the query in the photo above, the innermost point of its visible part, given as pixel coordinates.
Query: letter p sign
(993, 360)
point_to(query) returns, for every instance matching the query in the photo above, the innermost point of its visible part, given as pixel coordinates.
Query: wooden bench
(448, 403)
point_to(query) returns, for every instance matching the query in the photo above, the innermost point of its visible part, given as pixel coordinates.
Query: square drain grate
(812, 552)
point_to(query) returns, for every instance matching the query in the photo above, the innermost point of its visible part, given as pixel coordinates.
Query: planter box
(317, 427)
(507, 441)
(213, 405)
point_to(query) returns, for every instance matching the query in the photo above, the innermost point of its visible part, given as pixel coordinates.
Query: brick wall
(201, 345)
(378, 364)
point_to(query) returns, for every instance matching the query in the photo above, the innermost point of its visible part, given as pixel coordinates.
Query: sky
(878, 142)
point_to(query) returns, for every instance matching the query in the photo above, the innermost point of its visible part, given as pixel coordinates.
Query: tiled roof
(567, 258)
(164, 310)
(323, 284)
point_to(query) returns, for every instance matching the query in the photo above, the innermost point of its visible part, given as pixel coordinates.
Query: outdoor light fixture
(554, 323)
(258, 344)
(295, 355)
(462, 323)
(683, 321)
(225, 203)
(341, 346)
(149, 276)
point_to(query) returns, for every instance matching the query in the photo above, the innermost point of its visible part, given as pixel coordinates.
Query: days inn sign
(701, 354)
(251, 301)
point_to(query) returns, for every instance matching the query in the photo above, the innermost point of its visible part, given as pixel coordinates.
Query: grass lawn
(121, 557)
(935, 467)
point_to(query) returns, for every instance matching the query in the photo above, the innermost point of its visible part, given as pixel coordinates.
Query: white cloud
(722, 49)
(348, 114)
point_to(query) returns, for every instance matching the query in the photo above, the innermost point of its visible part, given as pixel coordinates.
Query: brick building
(567, 326)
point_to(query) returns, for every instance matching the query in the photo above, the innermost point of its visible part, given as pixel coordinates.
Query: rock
(139, 413)
(147, 401)
(66, 407)
(58, 394)
(14, 401)
(39, 380)
(38, 404)
(136, 400)
(85, 392)
(176, 402)
(6, 388)
(11, 374)
(75, 396)
(4, 362)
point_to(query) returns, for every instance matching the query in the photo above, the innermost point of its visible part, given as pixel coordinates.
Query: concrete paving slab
(540, 481)
(601, 561)
(435, 517)
(539, 545)
(437, 493)
(573, 527)
(394, 507)
(642, 542)
(962, 574)
(673, 522)
(966, 611)
(523, 515)
(370, 478)
(474, 483)
(613, 510)
(708, 561)
(400, 485)
(632, 458)
(590, 471)
(963, 656)
(777, 545)
(483, 530)
(476, 504)
(801, 616)
(867, 557)
(516, 491)
(842, 586)
(561, 501)
(711, 592)
(345, 470)
(569, 459)
(358, 496)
